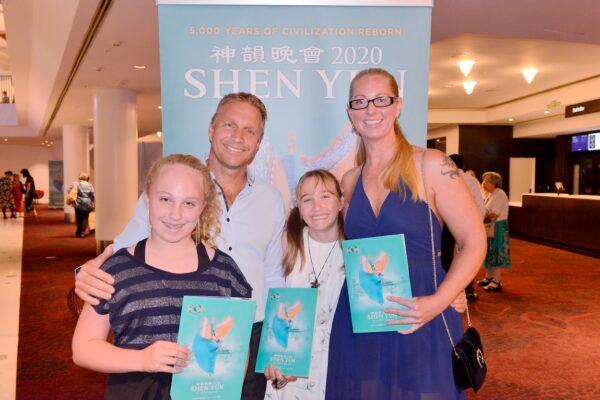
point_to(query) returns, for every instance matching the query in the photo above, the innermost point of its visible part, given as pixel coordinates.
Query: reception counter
(570, 221)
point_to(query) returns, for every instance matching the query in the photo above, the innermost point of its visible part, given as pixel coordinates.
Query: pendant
(314, 284)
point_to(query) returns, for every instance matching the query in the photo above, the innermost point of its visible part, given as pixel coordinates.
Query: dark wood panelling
(486, 148)
(562, 220)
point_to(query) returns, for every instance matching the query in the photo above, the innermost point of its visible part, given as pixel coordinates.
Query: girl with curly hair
(151, 279)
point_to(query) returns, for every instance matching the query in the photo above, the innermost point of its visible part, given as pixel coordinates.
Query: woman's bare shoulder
(349, 180)
(350, 175)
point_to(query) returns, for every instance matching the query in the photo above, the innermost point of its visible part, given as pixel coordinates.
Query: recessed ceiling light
(437, 140)
(158, 133)
(511, 119)
(465, 66)
(5, 139)
(159, 107)
(546, 112)
(469, 86)
(90, 119)
(139, 66)
(529, 74)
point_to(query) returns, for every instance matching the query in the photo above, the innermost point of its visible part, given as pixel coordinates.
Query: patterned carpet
(44, 367)
(541, 335)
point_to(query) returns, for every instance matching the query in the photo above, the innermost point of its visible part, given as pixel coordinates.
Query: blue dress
(390, 365)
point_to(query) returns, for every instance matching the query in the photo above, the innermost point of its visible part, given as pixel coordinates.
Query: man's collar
(250, 177)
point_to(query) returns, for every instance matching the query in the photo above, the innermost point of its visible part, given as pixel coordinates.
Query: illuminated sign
(588, 107)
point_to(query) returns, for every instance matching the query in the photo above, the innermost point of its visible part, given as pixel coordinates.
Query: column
(75, 160)
(115, 161)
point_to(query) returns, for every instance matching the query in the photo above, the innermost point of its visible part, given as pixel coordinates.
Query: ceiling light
(511, 119)
(529, 74)
(90, 119)
(6, 140)
(465, 66)
(469, 86)
(546, 112)
(158, 133)
(139, 66)
(159, 107)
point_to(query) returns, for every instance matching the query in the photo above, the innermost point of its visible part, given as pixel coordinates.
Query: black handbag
(468, 361)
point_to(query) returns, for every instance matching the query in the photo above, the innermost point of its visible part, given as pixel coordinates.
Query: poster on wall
(55, 192)
(299, 59)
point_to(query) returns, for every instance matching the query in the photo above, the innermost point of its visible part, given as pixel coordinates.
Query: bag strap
(433, 263)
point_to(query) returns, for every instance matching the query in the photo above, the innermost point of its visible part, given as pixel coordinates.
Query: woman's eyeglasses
(381, 101)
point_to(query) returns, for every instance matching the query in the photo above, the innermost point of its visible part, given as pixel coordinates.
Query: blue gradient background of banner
(302, 132)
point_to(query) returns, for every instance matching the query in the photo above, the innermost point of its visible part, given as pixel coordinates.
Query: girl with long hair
(313, 258)
(151, 279)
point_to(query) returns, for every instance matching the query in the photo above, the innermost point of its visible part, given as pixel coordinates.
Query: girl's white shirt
(330, 284)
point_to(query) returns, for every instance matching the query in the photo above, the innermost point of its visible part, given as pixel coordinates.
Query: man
(448, 242)
(251, 222)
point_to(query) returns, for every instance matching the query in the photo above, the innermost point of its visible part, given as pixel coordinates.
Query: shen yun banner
(299, 59)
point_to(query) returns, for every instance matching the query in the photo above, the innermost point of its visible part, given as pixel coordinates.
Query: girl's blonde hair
(294, 226)
(401, 173)
(209, 226)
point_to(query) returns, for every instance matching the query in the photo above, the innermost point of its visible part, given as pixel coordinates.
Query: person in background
(498, 243)
(252, 220)
(313, 258)
(472, 173)
(151, 279)
(5, 98)
(18, 191)
(401, 189)
(84, 202)
(29, 191)
(7, 199)
(448, 242)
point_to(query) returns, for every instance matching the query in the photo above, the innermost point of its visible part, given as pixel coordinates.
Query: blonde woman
(151, 279)
(386, 195)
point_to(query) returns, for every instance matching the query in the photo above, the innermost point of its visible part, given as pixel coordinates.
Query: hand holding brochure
(376, 267)
(287, 332)
(217, 330)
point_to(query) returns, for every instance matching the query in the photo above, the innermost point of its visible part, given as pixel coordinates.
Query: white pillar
(75, 160)
(115, 160)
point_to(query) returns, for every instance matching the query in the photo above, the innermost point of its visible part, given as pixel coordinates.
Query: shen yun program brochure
(217, 330)
(287, 333)
(376, 267)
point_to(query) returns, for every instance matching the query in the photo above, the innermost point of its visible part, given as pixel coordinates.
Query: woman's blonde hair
(208, 224)
(401, 173)
(294, 226)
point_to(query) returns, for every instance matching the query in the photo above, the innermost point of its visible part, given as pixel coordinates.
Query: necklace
(315, 283)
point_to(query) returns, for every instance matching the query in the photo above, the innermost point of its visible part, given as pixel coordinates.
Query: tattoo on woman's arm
(449, 168)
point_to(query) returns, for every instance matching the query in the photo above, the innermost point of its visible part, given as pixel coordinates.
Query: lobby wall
(15, 157)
